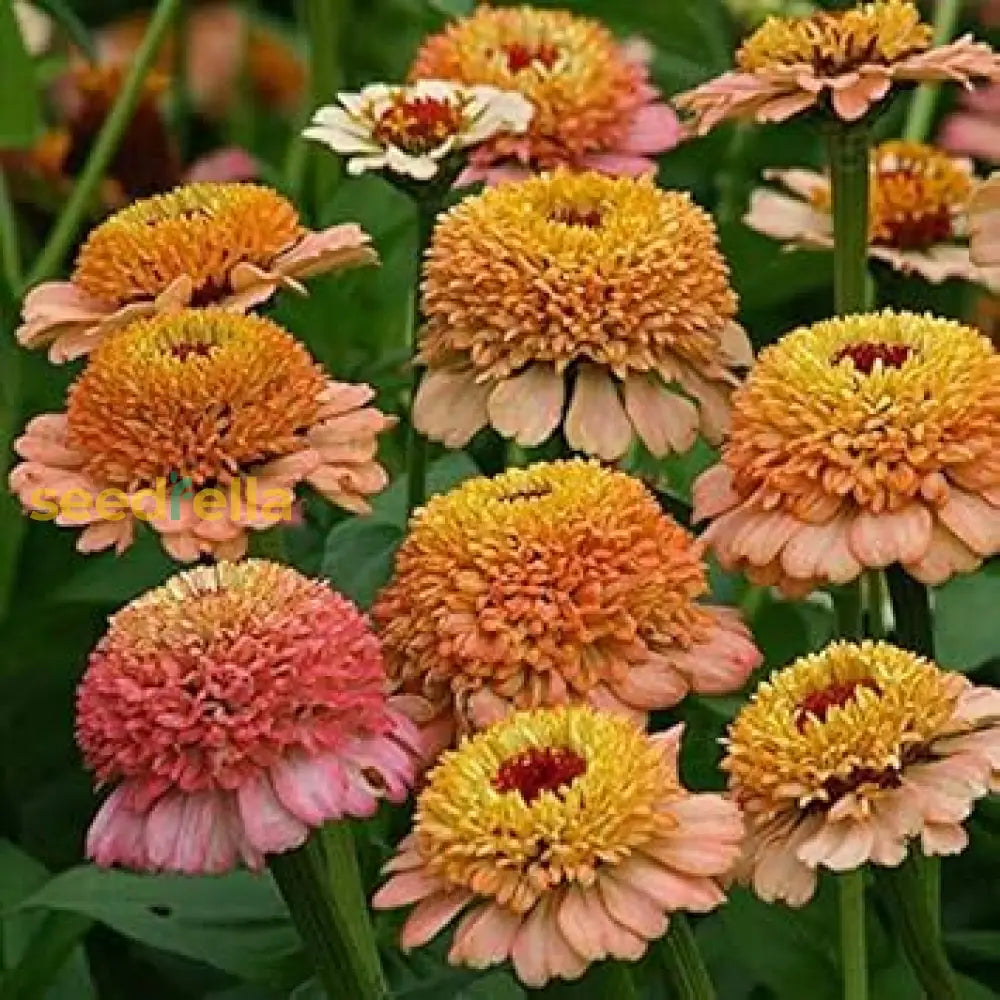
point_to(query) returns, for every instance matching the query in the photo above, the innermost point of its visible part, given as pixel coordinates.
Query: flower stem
(853, 948)
(105, 145)
(849, 181)
(10, 249)
(327, 915)
(921, 113)
(323, 26)
(684, 964)
(912, 612)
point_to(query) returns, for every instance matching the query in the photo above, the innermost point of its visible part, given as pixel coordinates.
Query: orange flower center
(521, 56)
(571, 216)
(539, 769)
(864, 355)
(836, 695)
(836, 787)
(418, 125)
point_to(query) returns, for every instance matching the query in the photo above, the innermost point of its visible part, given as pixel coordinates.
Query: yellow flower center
(844, 720)
(593, 781)
(201, 231)
(871, 408)
(197, 395)
(418, 125)
(832, 43)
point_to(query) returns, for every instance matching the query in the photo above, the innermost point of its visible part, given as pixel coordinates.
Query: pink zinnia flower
(625, 845)
(848, 755)
(235, 708)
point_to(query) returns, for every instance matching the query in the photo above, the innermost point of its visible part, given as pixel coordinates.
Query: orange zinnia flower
(567, 837)
(606, 290)
(858, 443)
(845, 756)
(555, 583)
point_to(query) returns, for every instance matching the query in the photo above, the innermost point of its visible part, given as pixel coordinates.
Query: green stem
(905, 891)
(10, 247)
(911, 611)
(848, 606)
(68, 224)
(849, 181)
(330, 923)
(875, 624)
(920, 116)
(323, 25)
(684, 964)
(853, 949)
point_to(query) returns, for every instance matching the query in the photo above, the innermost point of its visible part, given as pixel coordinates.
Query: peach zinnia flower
(581, 286)
(919, 200)
(846, 755)
(199, 399)
(595, 108)
(235, 708)
(563, 581)
(845, 60)
(858, 443)
(566, 837)
(232, 245)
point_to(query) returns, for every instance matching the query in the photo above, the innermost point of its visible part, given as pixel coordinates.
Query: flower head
(235, 707)
(560, 582)
(594, 106)
(845, 755)
(410, 130)
(606, 284)
(566, 837)
(857, 443)
(919, 200)
(191, 401)
(231, 245)
(845, 61)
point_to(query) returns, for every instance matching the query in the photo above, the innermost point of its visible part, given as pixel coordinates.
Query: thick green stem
(875, 625)
(683, 962)
(68, 224)
(853, 949)
(912, 612)
(324, 28)
(905, 891)
(334, 925)
(10, 248)
(849, 181)
(848, 606)
(921, 114)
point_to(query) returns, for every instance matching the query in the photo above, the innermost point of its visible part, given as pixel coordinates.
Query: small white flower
(409, 129)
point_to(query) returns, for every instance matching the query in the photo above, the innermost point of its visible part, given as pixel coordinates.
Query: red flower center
(819, 703)
(537, 770)
(864, 355)
(418, 125)
(521, 56)
(184, 351)
(589, 218)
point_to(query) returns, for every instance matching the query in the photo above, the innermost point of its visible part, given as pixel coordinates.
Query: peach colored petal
(973, 520)
(451, 406)
(583, 922)
(853, 100)
(713, 403)
(669, 889)
(735, 345)
(430, 915)
(600, 697)
(654, 128)
(103, 534)
(527, 407)
(779, 109)
(943, 839)
(712, 493)
(946, 555)
(346, 245)
(664, 420)
(653, 684)
(630, 907)
(485, 708)
(596, 423)
(878, 540)
(840, 847)
(408, 887)
(485, 936)
(707, 838)
(619, 164)
(762, 535)
(785, 218)
(777, 872)
(721, 664)
(822, 551)
(530, 949)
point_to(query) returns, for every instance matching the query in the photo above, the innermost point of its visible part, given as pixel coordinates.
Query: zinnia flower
(581, 286)
(560, 582)
(232, 245)
(191, 401)
(919, 200)
(410, 130)
(566, 837)
(235, 708)
(846, 755)
(857, 443)
(595, 108)
(846, 61)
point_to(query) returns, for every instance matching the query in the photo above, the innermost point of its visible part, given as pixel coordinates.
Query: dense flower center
(539, 769)
(520, 55)
(571, 215)
(836, 695)
(832, 43)
(866, 354)
(201, 231)
(198, 395)
(418, 124)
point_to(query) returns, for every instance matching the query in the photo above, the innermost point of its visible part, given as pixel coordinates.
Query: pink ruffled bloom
(225, 244)
(621, 857)
(845, 62)
(849, 755)
(201, 423)
(858, 443)
(234, 709)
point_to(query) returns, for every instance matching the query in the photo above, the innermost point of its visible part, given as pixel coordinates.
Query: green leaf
(358, 557)
(443, 474)
(236, 922)
(61, 12)
(964, 624)
(20, 109)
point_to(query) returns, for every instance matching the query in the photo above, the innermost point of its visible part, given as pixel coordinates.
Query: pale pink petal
(943, 839)
(945, 556)
(713, 493)
(669, 889)
(821, 551)
(633, 909)
(656, 683)
(706, 840)
(973, 520)
(117, 833)
(485, 936)
(223, 166)
(527, 407)
(105, 534)
(346, 245)
(789, 219)
(431, 915)
(270, 827)
(841, 847)
(407, 887)
(583, 922)
(878, 540)
(596, 423)
(618, 164)
(450, 406)
(654, 128)
(666, 421)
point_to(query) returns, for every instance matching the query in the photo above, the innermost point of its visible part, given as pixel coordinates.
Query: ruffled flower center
(200, 231)
(867, 354)
(817, 704)
(575, 215)
(195, 396)
(539, 769)
(522, 55)
(418, 125)
(837, 42)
